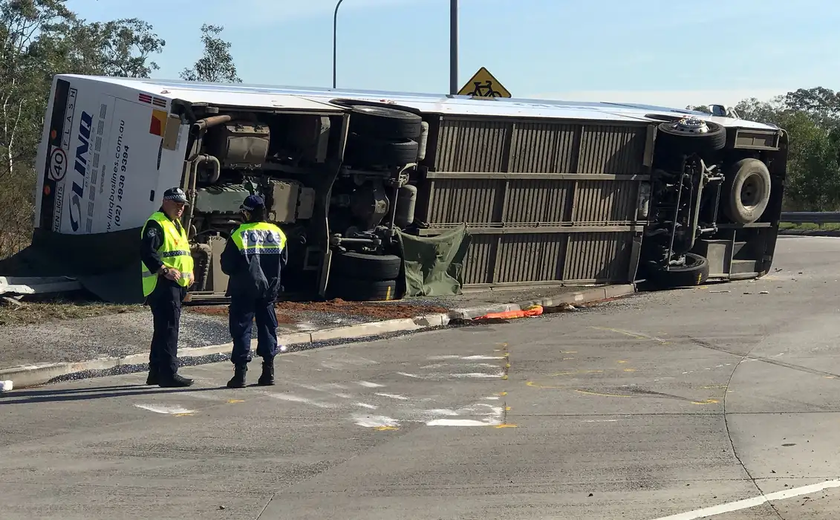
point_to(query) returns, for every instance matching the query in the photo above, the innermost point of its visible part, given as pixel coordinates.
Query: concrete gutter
(33, 375)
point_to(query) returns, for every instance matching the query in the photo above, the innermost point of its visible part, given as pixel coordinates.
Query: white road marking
(167, 410)
(298, 399)
(456, 422)
(375, 421)
(440, 358)
(368, 384)
(368, 406)
(393, 396)
(443, 411)
(478, 375)
(752, 502)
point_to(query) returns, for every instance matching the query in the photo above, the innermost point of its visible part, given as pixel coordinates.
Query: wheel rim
(691, 125)
(752, 192)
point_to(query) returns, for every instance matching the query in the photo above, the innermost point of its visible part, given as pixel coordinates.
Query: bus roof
(231, 94)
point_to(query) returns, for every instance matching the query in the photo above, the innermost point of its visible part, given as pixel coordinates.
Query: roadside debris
(6, 386)
(37, 285)
(10, 302)
(534, 310)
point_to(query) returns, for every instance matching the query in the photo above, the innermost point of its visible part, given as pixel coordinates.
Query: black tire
(694, 272)
(747, 191)
(366, 151)
(385, 123)
(672, 141)
(364, 266)
(350, 289)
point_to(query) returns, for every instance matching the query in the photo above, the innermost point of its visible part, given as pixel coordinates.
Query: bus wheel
(690, 135)
(385, 123)
(370, 267)
(365, 290)
(747, 189)
(695, 271)
(365, 151)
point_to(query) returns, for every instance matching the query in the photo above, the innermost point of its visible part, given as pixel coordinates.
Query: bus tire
(747, 191)
(351, 289)
(385, 123)
(673, 141)
(352, 265)
(366, 151)
(694, 272)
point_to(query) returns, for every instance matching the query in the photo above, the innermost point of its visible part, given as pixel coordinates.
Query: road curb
(32, 375)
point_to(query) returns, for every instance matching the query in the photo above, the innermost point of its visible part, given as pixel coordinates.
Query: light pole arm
(335, 31)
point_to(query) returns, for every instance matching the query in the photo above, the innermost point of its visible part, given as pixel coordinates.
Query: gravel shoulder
(70, 331)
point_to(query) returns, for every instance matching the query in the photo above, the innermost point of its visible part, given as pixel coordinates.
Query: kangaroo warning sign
(483, 84)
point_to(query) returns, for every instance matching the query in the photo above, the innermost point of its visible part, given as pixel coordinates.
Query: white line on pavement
(752, 502)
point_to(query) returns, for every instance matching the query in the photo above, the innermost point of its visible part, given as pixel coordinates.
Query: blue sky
(671, 52)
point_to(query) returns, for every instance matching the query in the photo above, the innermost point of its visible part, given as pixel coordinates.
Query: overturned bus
(386, 194)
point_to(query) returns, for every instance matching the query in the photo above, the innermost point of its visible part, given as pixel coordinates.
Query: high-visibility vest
(259, 238)
(174, 253)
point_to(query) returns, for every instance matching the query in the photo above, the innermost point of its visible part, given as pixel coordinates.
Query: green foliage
(41, 38)
(812, 119)
(216, 65)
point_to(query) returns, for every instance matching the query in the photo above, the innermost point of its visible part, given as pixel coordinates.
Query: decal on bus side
(85, 124)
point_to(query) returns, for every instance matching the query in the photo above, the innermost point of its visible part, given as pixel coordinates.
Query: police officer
(167, 267)
(253, 257)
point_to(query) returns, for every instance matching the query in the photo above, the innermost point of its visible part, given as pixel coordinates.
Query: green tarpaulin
(434, 266)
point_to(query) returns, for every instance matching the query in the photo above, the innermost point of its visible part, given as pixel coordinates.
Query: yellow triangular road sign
(483, 84)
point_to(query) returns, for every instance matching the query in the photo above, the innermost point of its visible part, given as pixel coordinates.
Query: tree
(122, 48)
(216, 65)
(38, 39)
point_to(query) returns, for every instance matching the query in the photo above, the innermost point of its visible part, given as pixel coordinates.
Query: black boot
(176, 381)
(267, 377)
(153, 378)
(238, 379)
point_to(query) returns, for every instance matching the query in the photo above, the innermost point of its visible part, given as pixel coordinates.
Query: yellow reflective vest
(174, 253)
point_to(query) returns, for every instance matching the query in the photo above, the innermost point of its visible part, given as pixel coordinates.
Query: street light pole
(453, 47)
(335, 23)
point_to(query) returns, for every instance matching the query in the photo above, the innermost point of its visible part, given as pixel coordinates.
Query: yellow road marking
(577, 372)
(707, 401)
(506, 426)
(600, 394)
(386, 428)
(234, 401)
(636, 335)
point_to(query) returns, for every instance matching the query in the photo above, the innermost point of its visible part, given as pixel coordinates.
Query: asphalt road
(715, 401)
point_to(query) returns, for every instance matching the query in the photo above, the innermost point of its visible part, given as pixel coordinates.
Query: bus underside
(544, 201)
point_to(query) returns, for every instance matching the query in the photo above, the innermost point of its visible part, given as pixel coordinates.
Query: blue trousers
(242, 313)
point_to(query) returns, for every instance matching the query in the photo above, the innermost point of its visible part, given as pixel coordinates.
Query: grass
(51, 310)
(808, 226)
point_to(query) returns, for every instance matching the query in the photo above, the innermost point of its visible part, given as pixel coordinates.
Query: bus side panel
(53, 155)
(105, 162)
(137, 164)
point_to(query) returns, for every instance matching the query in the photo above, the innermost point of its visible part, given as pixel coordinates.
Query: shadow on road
(86, 394)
